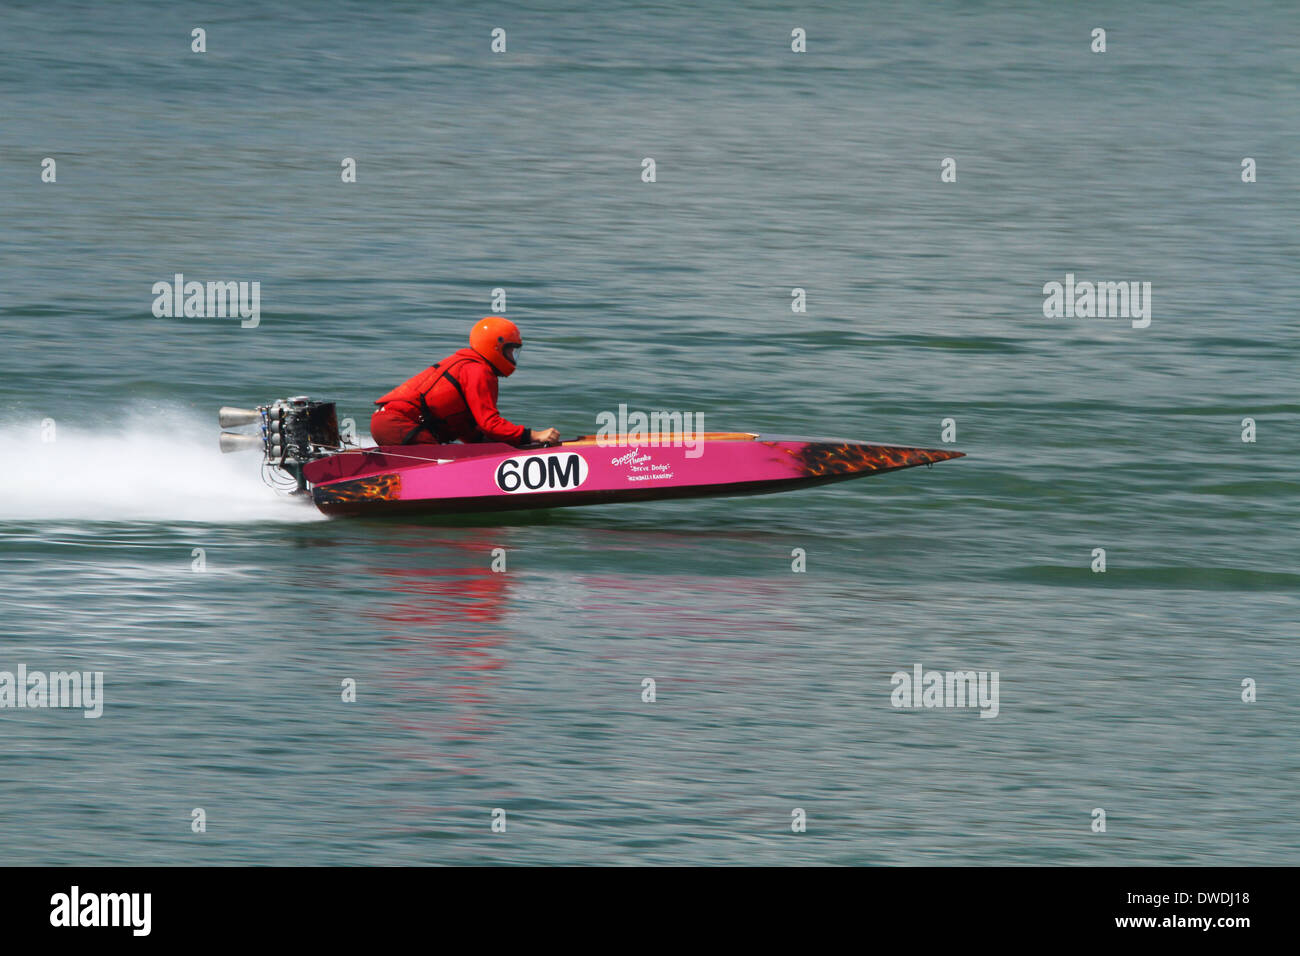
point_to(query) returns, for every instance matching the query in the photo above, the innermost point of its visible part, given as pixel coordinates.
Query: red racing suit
(454, 399)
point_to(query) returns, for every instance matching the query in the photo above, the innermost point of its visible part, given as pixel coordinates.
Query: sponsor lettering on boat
(631, 458)
(556, 471)
(642, 467)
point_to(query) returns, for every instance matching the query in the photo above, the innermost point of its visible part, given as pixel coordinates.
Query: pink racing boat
(300, 437)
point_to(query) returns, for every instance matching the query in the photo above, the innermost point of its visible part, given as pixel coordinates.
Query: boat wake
(154, 465)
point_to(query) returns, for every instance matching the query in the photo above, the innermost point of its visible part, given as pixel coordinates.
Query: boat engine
(292, 432)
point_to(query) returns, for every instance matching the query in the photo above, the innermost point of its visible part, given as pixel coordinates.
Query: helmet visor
(511, 351)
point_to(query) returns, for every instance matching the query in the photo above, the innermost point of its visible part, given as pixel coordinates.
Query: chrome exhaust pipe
(230, 442)
(234, 417)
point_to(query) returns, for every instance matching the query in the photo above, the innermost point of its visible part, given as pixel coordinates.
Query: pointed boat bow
(826, 459)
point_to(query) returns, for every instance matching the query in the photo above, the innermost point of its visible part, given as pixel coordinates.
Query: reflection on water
(451, 627)
(444, 624)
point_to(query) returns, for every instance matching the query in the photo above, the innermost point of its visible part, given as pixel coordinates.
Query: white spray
(157, 465)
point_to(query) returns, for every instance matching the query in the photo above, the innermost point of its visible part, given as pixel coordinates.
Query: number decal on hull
(553, 472)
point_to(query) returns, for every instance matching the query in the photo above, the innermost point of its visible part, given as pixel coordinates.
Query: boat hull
(467, 479)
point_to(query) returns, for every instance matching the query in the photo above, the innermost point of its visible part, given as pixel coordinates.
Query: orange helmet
(497, 340)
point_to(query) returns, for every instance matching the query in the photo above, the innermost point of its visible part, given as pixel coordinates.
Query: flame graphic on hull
(375, 488)
(827, 459)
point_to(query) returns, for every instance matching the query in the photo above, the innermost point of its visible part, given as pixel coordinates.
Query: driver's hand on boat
(547, 436)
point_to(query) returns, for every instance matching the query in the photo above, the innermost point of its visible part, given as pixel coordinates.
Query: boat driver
(456, 399)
